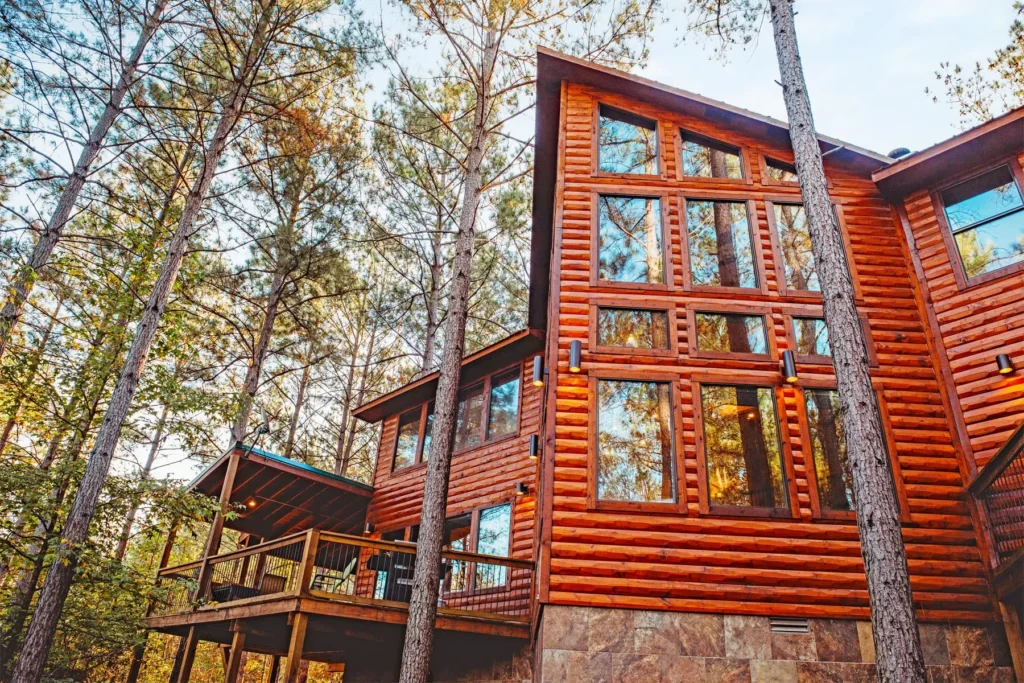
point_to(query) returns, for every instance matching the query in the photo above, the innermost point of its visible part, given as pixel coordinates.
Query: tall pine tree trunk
(58, 582)
(23, 283)
(894, 624)
(30, 378)
(364, 374)
(419, 632)
(300, 397)
(259, 354)
(147, 468)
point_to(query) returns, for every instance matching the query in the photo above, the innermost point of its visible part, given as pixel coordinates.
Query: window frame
(746, 177)
(817, 359)
(666, 242)
(706, 509)
(595, 151)
(964, 282)
(485, 411)
(807, 454)
(676, 506)
(418, 456)
(756, 245)
(780, 266)
(634, 304)
(764, 161)
(474, 537)
(763, 312)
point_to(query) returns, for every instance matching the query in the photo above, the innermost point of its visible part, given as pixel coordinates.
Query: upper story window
(488, 410)
(795, 247)
(811, 336)
(779, 171)
(986, 217)
(742, 450)
(634, 447)
(719, 244)
(730, 333)
(629, 240)
(626, 143)
(706, 158)
(412, 443)
(632, 328)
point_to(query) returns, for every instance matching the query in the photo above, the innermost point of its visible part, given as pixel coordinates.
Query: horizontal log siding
(799, 567)
(975, 324)
(480, 477)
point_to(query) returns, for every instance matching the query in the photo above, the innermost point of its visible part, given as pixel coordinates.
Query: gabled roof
(554, 67)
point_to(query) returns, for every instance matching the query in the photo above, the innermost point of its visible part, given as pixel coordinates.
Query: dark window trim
(633, 304)
(666, 244)
(418, 455)
(817, 359)
(683, 135)
(952, 252)
(763, 312)
(626, 116)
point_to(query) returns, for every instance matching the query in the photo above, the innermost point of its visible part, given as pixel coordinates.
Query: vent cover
(788, 625)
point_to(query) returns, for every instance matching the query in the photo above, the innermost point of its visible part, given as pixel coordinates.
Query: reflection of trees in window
(741, 447)
(457, 536)
(634, 441)
(632, 328)
(493, 539)
(780, 171)
(629, 239)
(730, 333)
(718, 237)
(467, 422)
(626, 143)
(986, 215)
(811, 337)
(408, 439)
(707, 158)
(427, 432)
(795, 245)
(828, 442)
(503, 409)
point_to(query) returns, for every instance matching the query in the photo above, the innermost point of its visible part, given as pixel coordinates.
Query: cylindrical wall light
(367, 529)
(789, 366)
(521, 489)
(1005, 364)
(575, 355)
(534, 446)
(538, 371)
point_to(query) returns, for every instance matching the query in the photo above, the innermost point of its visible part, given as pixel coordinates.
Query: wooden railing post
(308, 561)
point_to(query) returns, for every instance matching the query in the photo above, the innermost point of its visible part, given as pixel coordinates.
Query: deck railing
(350, 569)
(999, 488)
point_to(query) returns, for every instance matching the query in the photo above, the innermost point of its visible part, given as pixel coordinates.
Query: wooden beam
(188, 657)
(1014, 636)
(217, 528)
(275, 667)
(308, 560)
(298, 639)
(234, 663)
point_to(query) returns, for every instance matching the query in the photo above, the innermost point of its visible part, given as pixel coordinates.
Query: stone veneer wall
(588, 644)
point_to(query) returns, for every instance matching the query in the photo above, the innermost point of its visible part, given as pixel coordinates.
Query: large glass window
(488, 532)
(427, 432)
(493, 533)
(730, 333)
(503, 408)
(707, 158)
(720, 246)
(741, 447)
(407, 441)
(795, 245)
(986, 216)
(779, 171)
(479, 421)
(630, 240)
(828, 443)
(458, 536)
(626, 143)
(632, 328)
(634, 441)
(467, 422)
(811, 337)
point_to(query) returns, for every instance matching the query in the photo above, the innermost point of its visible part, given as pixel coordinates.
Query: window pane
(467, 423)
(731, 333)
(504, 407)
(811, 337)
(634, 441)
(632, 328)
(780, 171)
(718, 236)
(457, 532)
(427, 430)
(981, 198)
(709, 159)
(407, 440)
(493, 539)
(741, 447)
(992, 245)
(629, 239)
(626, 143)
(828, 443)
(795, 244)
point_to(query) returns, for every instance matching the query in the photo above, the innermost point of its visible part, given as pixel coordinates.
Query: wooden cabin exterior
(649, 481)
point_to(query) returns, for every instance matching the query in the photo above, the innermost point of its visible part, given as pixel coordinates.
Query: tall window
(779, 171)
(730, 333)
(503, 413)
(630, 240)
(720, 246)
(632, 328)
(795, 245)
(467, 420)
(634, 441)
(707, 158)
(828, 443)
(741, 447)
(811, 337)
(626, 143)
(986, 217)
(412, 443)
(488, 410)
(487, 531)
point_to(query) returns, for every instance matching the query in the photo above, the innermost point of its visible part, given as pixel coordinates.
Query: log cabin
(650, 483)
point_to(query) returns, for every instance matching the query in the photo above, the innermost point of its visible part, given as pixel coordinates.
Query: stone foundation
(586, 644)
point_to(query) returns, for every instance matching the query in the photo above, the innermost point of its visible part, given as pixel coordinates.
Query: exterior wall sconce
(575, 355)
(1005, 364)
(538, 371)
(367, 529)
(521, 489)
(534, 446)
(789, 367)
(251, 503)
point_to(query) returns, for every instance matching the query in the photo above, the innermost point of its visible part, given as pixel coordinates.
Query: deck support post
(217, 527)
(188, 657)
(1014, 637)
(308, 561)
(298, 639)
(275, 666)
(234, 662)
